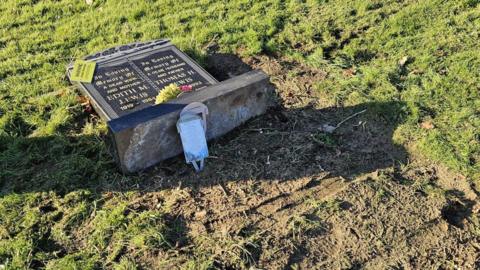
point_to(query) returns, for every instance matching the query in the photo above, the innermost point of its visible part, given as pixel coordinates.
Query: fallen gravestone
(126, 80)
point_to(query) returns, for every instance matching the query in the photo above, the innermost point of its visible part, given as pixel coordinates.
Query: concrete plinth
(146, 137)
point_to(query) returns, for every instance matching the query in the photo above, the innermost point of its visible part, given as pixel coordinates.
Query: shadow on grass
(287, 144)
(282, 144)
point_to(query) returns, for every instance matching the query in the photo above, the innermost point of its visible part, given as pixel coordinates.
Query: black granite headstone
(128, 78)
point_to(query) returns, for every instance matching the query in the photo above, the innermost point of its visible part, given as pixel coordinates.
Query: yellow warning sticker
(83, 71)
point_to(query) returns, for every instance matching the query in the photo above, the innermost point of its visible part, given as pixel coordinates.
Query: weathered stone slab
(146, 137)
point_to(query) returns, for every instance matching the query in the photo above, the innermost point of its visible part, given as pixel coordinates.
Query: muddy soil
(280, 193)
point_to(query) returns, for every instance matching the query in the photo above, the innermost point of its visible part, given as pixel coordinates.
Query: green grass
(50, 149)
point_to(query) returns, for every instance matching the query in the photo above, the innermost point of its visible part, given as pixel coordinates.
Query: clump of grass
(325, 139)
(314, 220)
(224, 251)
(75, 261)
(322, 207)
(170, 92)
(301, 225)
(126, 264)
(429, 187)
(120, 228)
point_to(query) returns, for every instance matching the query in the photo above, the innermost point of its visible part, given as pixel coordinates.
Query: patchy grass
(54, 164)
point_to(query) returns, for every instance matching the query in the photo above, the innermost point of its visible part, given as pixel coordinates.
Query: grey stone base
(144, 138)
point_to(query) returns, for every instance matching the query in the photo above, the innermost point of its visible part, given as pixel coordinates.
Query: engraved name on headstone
(123, 88)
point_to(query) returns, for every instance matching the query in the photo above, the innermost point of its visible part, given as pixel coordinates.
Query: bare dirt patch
(279, 193)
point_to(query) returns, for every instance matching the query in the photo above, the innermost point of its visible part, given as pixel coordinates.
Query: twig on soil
(350, 117)
(223, 190)
(330, 129)
(324, 128)
(212, 41)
